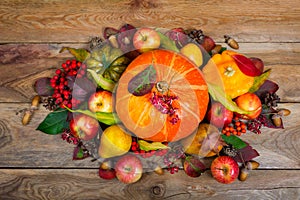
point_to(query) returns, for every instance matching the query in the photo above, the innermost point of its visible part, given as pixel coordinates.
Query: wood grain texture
(270, 53)
(85, 184)
(34, 165)
(69, 21)
(23, 146)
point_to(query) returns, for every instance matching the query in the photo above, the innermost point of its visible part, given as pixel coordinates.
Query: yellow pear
(193, 52)
(193, 143)
(114, 141)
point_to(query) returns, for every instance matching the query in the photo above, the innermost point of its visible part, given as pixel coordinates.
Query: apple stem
(144, 38)
(224, 170)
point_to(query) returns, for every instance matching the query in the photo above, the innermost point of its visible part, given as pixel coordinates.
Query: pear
(205, 141)
(193, 52)
(114, 141)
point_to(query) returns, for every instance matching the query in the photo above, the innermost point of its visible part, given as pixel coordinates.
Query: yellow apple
(193, 52)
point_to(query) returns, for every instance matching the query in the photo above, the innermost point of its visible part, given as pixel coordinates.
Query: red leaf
(42, 87)
(246, 65)
(80, 152)
(245, 154)
(267, 87)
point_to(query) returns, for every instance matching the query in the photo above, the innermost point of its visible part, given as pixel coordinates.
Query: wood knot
(143, 4)
(158, 191)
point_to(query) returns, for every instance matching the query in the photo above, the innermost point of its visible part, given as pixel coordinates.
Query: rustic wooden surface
(38, 166)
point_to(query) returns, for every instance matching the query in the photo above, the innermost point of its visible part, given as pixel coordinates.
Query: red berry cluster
(63, 80)
(69, 137)
(146, 154)
(237, 127)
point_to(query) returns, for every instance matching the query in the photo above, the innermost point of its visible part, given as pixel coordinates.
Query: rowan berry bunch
(63, 80)
(237, 127)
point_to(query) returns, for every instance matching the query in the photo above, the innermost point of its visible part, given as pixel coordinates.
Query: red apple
(208, 43)
(101, 101)
(129, 169)
(224, 169)
(218, 115)
(249, 102)
(106, 172)
(259, 64)
(178, 36)
(84, 127)
(146, 39)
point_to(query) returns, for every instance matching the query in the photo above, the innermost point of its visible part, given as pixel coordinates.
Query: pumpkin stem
(162, 86)
(229, 71)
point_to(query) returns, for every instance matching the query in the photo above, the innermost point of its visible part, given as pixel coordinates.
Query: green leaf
(167, 43)
(108, 118)
(104, 83)
(146, 146)
(259, 80)
(55, 122)
(218, 94)
(79, 54)
(143, 82)
(235, 141)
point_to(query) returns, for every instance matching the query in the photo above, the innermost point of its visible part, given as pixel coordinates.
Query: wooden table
(34, 165)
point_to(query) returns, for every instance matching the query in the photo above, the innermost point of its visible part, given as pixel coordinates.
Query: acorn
(251, 165)
(158, 170)
(113, 41)
(216, 49)
(26, 117)
(243, 174)
(231, 42)
(276, 120)
(35, 102)
(284, 112)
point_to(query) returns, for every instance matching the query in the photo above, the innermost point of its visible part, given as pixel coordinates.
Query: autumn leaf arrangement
(152, 99)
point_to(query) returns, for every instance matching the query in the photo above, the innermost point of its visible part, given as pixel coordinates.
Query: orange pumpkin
(173, 107)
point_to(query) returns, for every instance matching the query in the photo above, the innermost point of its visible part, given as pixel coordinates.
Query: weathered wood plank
(270, 53)
(85, 184)
(22, 146)
(69, 21)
